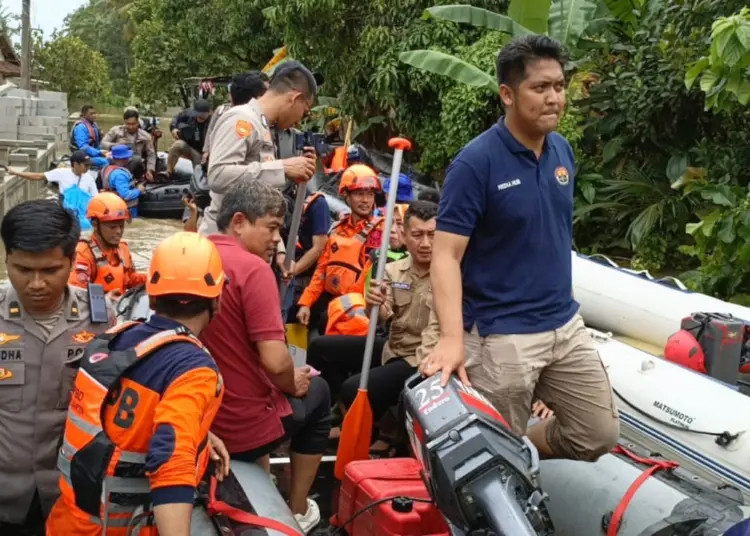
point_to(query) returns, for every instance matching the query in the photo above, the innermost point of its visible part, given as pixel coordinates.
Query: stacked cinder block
(29, 117)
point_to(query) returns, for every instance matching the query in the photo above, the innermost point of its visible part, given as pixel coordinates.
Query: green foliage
(107, 29)
(640, 112)
(724, 76)
(178, 39)
(69, 65)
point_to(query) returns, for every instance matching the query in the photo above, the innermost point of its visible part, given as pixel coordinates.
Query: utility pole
(26, 44)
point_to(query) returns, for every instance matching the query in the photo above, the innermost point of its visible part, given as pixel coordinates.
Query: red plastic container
(371, 480)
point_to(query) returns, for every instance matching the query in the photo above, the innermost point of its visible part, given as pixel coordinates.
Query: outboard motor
(199, 187)
(479, 473)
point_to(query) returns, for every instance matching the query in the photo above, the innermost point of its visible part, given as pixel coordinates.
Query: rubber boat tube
(634, 304)
(164, 200)
(688, 417)
(583, 497)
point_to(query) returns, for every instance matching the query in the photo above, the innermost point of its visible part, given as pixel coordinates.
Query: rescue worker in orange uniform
(137, 440)
(351, 239)
(105, 258)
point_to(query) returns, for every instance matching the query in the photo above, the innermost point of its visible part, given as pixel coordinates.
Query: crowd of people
(105, 420)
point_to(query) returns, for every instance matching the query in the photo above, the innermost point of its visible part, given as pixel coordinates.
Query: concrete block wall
(29, 116)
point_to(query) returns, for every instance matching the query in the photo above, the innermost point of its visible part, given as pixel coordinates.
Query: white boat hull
(665, 407)
(631, 303)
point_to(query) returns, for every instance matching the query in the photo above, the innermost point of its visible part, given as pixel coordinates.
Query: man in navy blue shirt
(502, 253)
(311, 240)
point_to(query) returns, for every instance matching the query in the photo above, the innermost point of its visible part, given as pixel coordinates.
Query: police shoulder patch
(243, 128)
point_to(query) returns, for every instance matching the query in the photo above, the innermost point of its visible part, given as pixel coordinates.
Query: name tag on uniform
(402, 286)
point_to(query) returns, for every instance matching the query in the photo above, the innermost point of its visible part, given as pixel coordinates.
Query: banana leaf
(450, 66)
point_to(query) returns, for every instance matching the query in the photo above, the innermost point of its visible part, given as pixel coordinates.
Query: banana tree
(565, 20)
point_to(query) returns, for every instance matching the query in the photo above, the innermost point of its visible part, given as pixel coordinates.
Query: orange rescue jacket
(347, 315)
(113, 268)
(343, 259)
(103, 481)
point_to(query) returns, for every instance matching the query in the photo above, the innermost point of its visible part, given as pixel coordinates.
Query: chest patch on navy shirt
(402, 286)
(509, 184)
(561, 175)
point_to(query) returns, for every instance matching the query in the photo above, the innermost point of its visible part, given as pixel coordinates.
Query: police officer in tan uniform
(44, 328)
(131, 134)
(242, 146)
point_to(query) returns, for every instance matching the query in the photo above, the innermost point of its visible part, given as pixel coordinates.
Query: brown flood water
(142, 236)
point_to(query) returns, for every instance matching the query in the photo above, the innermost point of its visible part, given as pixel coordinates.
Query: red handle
(399, 143)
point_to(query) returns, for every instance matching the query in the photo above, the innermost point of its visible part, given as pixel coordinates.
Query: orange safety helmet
(684, 349)
(359, 177)
(186, 264)
(107, 206)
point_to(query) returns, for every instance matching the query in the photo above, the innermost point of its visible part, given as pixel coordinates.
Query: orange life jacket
(92, 133)
(347, 258)
(109, 276)
(339, 159)
(347, 315)
(101, 479)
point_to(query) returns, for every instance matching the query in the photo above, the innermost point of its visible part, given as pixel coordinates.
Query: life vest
(347, 258)
(310, 200)
(339, 159)
(103, 480)
(108, 276)
(93, 138)
(347, 315)
(103, 181)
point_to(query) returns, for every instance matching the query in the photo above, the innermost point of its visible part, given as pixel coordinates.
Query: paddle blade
(356, 434)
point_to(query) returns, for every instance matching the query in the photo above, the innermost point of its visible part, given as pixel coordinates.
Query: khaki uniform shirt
(218, 112)
(140, 142)
(408, 305)
(241, 149)
(38, 364)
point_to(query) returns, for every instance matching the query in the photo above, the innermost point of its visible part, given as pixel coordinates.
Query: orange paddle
(356, 430)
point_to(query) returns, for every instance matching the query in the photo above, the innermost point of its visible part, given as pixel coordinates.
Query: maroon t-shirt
(251, 412)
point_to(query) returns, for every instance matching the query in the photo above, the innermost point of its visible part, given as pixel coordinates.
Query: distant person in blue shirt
(86, 136)
(311, 240)
(116, 178)
(502, 254)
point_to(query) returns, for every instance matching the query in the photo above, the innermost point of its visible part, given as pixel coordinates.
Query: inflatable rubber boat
(635, 304)
(689, 417)
(164, 200)
(482, 476)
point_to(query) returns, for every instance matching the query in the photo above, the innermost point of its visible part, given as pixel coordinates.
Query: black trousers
(339, 359)
(339, 356)
(33, 525)
(384, 386)
(307, 426)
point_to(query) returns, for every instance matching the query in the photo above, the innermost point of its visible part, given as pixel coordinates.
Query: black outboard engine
(199, 187)
(480, 474)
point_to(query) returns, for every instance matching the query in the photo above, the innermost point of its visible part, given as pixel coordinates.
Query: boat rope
(218, 507)
(612, 523)
(723, 439)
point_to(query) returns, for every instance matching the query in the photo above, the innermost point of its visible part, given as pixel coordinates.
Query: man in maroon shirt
(266, 400)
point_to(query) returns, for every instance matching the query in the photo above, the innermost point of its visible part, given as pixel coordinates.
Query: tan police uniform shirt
(218, 112)
(408, 306)
(241, 149)
(38, 364)
(140, 142)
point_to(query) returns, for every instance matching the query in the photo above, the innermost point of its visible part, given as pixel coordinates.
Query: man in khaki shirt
(405, 299)
(44, 328)
(131, 134)
(242, 145)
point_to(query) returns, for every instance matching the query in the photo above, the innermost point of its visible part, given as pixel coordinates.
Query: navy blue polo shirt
(315, 221)
(517, 211)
